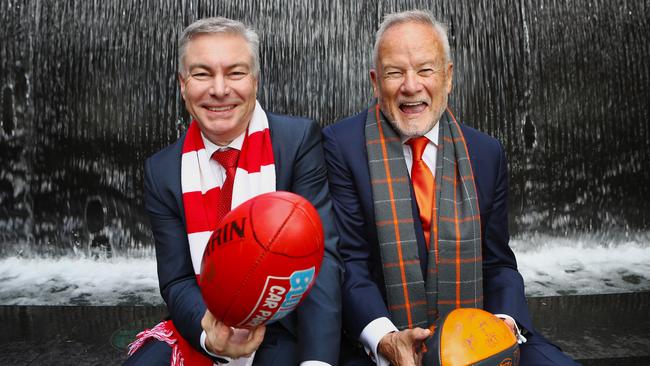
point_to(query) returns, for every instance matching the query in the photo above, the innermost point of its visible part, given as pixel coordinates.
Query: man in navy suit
(412, 77)
(219, 73)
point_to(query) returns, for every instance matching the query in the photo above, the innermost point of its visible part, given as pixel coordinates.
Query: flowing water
(551, 266)
(88, 91)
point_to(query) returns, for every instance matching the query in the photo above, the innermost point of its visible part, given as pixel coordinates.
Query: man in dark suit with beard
(421, 208)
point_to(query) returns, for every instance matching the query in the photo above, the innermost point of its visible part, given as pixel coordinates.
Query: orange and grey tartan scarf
(201, 191)
(454, 272)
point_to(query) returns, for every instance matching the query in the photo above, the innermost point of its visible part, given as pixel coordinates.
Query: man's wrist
(518, 331)
(372, 335)
(222, 359)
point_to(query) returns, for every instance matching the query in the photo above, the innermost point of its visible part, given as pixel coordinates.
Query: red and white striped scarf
(201, 189)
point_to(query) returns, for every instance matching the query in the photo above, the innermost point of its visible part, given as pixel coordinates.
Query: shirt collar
(211, 147)
(432, 135)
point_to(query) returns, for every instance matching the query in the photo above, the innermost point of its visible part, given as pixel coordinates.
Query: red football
(262, 259)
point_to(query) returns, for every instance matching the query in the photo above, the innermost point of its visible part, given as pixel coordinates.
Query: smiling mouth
(220, 109)
(413, 107)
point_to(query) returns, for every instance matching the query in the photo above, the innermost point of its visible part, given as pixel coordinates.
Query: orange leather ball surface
(481, 334)
(468, 336)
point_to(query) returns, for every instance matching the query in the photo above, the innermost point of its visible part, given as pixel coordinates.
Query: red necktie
(228, 160)
(423, 184)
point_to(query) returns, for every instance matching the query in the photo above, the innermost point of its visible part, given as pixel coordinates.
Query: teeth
(221, 109)
(412, 104)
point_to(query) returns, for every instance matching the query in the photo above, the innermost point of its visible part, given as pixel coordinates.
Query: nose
(411, 84)
(219, 87)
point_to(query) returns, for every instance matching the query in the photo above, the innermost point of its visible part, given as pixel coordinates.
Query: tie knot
(227, 158)
(418, 144)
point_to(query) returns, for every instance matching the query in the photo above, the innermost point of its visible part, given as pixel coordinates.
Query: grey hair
(220, 25)
(415, 16)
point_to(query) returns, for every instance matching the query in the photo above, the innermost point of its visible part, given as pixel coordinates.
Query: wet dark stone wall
(88, 90)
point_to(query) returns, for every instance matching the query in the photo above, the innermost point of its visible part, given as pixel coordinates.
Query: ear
(256, 81)
(450, 77)
(375, 85)
(181, 82)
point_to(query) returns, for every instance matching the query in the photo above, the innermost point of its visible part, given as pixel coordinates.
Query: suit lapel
(172, 157)
(282, 181)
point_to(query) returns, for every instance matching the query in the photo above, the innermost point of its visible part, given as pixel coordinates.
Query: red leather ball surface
(262, 259)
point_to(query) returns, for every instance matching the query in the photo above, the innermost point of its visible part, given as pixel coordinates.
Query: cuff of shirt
(223, 359)
(314, 363)
(372, 334)
(520, 338)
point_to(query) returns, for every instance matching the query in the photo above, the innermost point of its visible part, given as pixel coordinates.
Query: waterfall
(89, 90)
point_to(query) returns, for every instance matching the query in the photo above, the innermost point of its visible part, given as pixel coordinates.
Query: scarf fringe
(161, 332)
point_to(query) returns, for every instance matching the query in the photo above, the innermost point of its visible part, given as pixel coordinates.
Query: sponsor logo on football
(280, 296)
(225, 233)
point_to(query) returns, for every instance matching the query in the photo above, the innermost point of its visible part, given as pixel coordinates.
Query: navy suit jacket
(363, 287)
(300, 168)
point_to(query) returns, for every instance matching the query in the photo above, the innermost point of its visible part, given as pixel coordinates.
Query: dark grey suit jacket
(300, 168)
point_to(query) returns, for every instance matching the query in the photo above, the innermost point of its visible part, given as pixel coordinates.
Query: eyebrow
(207, 67)
(432, 64)
(239, 64)
(196, 66)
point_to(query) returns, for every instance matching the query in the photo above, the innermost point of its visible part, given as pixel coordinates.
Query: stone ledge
(596, 326)
(597, 330)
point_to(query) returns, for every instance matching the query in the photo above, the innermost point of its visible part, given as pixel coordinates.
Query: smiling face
(412, 79)
(218, 85)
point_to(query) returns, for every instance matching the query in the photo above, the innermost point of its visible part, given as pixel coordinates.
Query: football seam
(277, 233)
(281, 229)
(245, 281)
(313, 225)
